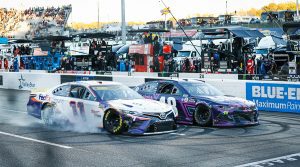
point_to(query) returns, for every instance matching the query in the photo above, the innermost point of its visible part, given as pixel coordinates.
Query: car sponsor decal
(44, 97)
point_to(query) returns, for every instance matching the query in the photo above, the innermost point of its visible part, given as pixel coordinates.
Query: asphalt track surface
(25, 141)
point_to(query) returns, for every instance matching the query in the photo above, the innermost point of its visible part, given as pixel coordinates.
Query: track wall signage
(274, 97)
(23, 83)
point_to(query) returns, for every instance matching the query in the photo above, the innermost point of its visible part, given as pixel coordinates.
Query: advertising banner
(274, 97)
(29, 81)
(74, 78)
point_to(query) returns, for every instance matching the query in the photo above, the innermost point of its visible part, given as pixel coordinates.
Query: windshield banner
(274, 97)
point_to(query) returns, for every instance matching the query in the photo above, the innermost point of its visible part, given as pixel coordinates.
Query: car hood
(227, 100)
(140, 105)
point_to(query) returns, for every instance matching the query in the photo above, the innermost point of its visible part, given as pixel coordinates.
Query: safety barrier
(268, 95)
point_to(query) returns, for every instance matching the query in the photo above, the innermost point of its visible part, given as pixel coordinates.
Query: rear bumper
(34, 108)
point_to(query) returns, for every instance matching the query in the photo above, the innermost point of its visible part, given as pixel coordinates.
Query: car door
(74, 104)
(90, 105)
(171, 94)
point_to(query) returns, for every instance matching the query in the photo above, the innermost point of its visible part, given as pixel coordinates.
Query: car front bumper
(149, 125)
(235, 118)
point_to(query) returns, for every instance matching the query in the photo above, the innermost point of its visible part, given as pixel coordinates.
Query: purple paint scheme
(187, 96)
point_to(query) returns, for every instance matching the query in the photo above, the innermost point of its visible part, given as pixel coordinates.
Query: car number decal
(170, 101)
(80, 106)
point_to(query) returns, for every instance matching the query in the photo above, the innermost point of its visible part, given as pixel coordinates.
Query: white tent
(271, 42)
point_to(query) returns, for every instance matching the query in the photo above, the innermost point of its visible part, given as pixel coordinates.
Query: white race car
(108, 105)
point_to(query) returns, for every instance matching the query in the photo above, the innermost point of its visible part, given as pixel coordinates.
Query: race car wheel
(113, 122)
(203, 116)
(47, 114)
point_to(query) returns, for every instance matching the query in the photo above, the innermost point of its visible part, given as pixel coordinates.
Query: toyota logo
(162, 115)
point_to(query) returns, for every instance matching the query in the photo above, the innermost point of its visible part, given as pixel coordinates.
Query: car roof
(94, 83)
(181, 81)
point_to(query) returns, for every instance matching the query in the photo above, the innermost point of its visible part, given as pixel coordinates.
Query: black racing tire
(203, 116)
(47, 114)
(113, 122)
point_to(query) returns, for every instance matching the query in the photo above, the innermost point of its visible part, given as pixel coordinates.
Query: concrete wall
(286, 93)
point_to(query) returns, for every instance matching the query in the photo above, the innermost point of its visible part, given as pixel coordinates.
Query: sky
(139, 10)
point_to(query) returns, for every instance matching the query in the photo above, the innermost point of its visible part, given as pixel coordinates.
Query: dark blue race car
(200, 103)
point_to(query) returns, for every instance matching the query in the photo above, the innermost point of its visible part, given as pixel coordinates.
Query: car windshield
(115, 92)
(183, 54)
(201, 89)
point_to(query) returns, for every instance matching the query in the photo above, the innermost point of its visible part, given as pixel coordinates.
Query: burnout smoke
(77, 125)
(17, 118)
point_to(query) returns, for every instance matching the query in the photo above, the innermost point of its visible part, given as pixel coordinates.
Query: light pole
(297, 6)
(123, 22)
(226, 7)
(98, 16)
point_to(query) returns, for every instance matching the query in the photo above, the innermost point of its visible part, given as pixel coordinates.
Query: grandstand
(33, 22)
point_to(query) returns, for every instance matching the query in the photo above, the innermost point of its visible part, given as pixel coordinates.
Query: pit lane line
(27, 138)
(34, 140)
(273, 161)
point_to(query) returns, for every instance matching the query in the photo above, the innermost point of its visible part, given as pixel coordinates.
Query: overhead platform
(224, 32)
(94, 35)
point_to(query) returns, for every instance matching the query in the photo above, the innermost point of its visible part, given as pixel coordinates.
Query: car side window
(168, 88)
(88, 96)
(176, 91)
(77, 91)
(62, 91)
(150, 87)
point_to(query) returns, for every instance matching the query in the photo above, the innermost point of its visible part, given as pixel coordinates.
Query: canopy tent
(247, 33)
(271, 31)
(271, 42)
(124, 49)
(117, 47)
(223, 33)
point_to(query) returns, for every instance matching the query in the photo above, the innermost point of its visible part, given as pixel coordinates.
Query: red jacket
(250, 66)
(6, 64)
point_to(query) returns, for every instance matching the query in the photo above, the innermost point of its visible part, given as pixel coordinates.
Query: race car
(200, 103)
(108, 105)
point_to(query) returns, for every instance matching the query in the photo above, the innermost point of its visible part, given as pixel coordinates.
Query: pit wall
(268, 95)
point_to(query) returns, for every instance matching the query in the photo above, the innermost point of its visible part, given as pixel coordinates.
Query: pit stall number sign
(274, 97)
